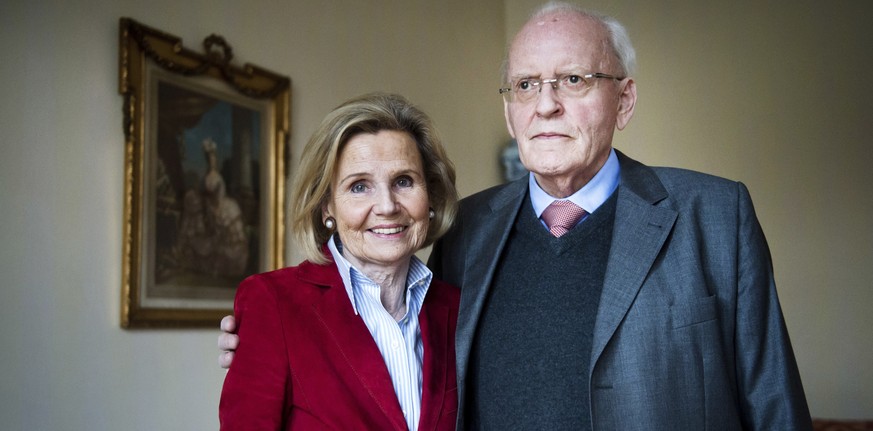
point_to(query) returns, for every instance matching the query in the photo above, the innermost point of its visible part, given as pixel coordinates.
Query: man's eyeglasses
(526, 89)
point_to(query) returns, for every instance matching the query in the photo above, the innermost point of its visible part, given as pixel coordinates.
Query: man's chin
(550, 169)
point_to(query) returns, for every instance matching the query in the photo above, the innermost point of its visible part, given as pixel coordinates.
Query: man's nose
(548, 102)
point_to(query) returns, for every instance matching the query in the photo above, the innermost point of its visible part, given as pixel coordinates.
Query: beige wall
(773, 96)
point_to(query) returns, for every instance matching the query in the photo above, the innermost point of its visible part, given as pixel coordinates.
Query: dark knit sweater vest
(529, 362)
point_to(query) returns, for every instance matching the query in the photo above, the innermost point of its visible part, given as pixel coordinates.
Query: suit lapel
(353, 340)
(482, 253)
(640, 230)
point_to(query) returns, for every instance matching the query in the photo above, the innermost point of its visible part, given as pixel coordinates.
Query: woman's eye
(404, 182)
(358, 188)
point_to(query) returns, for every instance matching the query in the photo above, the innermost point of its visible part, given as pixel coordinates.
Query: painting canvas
(207, 208)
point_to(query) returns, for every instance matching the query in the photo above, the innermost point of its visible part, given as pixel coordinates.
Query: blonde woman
(358, 336)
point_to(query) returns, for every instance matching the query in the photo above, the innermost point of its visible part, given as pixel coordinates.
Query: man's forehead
(537, 70)
(549, 57)
(561, 23)
(554, 50)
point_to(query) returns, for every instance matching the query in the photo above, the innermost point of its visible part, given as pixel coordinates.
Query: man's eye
(574, 80)
(524, 85)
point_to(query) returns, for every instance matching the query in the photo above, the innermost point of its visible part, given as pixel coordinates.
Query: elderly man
(599, 293)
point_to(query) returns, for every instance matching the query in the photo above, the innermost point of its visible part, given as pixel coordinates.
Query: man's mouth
(549, 135)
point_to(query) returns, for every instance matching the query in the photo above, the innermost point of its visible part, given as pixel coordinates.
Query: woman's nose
(386, 201)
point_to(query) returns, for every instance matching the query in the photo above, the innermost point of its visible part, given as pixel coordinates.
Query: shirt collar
(590, 196)
(419, 274)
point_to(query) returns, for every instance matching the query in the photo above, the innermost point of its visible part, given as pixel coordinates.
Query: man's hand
(228, 341)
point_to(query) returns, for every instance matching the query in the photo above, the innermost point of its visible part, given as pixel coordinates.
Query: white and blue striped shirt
(399, 341)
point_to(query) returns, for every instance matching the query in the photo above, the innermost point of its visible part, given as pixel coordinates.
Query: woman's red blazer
(306, 361)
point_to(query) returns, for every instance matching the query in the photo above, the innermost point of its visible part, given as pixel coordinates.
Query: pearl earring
(431, 214)
(329, 223)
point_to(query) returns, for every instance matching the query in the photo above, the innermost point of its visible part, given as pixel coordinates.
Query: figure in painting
(212, 235)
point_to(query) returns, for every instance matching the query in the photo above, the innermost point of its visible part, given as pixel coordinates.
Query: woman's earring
(329, 223)
(431, 214)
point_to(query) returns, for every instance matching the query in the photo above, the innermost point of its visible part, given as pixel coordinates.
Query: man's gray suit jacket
(689, 334)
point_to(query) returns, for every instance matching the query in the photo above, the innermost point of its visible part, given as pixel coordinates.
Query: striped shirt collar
(418, 276)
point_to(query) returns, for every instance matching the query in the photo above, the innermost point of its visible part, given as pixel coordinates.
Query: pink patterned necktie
(561, 216)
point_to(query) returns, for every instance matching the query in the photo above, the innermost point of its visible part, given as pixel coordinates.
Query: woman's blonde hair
(370, 113)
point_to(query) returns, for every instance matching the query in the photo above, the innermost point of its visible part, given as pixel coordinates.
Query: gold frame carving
(162, 83)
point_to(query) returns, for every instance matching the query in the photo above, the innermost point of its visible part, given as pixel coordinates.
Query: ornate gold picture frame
(206, 144)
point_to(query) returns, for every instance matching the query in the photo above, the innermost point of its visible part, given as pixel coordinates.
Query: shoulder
(261, 290)
(686, 181)
(697, 188)
(498, 192)
(288, 282)
(685, 176)
(655, 183)
(271, 278)
(705, 199)
(493, 199)
(488, 193)
(691, 193)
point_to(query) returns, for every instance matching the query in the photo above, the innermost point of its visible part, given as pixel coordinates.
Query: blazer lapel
(434, 321)
(640, 230)
(482, 254)
(353, 340)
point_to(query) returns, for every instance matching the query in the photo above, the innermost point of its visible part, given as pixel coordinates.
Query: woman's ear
(325, 211)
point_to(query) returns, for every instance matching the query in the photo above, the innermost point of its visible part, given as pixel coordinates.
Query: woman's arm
(256, 388)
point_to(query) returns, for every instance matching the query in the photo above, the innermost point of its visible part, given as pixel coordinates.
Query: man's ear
(627, 100)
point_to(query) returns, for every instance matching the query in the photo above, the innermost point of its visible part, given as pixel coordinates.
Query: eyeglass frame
(555, 82)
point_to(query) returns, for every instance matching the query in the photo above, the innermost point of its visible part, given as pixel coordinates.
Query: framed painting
(204, 177)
